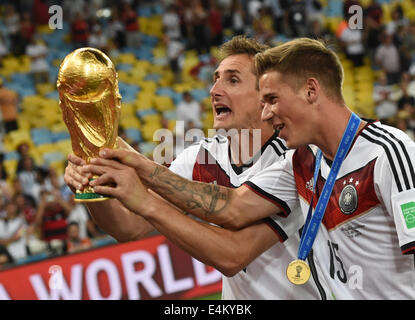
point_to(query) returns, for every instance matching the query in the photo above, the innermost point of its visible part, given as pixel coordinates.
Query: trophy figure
(90, 102)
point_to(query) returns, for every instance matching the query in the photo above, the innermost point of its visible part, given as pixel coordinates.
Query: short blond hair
(300, 59)
(241, 45)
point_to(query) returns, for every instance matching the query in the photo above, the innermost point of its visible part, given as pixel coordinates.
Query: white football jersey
(366, 242)
(265, 277)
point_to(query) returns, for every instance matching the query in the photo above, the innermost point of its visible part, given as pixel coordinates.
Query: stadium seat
(130, 122)
(41, 136)
(163, 103)
(134, 134)
(147, 148)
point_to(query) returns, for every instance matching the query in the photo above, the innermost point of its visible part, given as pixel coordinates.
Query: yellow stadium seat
(137, 74)
(24, 65)
(126, 58)
(23, 122)
(160, 52)
(10, 167)
(148, 130)
(333, 23)
(163, 103)
(14, 138)
(142, 64)
(143, 22)
(130, 122)
(167, 79)
(207, 104)
(386, 9)
(152, 120)
(58, 126)
(127, 110)
(147, 85)
(64, 146)
(45, 88)
(182, 87)
(410, 14)
(154, 26)
(44, 28)
(123, 76)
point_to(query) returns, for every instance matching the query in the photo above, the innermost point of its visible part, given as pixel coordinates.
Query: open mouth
(278, 127)
(222, 110)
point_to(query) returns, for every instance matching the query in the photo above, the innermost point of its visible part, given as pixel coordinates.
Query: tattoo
(200, 199)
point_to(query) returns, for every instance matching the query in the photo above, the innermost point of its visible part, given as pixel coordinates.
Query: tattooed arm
(230, 208)
(229, 251)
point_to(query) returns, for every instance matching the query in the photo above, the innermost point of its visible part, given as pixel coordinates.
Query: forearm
(209, 202)
(116, 220)
(226, 250)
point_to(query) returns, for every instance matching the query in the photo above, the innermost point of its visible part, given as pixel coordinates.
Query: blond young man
(252, 259)
(366, 239)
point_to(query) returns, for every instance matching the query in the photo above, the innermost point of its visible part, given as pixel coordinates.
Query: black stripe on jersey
(281, 144)
(220, 139)
(388, 154)
(313, 270)
(276, 228)
(276, 149)
(283, 205)
(270, 142)
(314, 274)
(396, 152)
(405, 152)
(408, 248)
(398, 155)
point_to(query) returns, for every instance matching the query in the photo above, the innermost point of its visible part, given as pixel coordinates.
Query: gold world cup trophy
(91, 103)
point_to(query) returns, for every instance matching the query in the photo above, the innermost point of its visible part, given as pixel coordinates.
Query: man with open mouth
(252, 259)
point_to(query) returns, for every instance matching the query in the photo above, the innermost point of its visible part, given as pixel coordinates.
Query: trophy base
(90, 197)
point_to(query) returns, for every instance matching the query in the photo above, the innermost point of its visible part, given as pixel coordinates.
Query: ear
(312, 88)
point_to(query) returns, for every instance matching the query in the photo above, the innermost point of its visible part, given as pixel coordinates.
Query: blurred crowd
(38, 213)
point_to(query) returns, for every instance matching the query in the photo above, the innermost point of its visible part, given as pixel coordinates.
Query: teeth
(220, 109)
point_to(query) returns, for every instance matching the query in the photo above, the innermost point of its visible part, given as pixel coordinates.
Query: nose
(267, 113)
(216, 91)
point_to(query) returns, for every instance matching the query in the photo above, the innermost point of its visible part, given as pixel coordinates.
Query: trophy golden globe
(91, 103)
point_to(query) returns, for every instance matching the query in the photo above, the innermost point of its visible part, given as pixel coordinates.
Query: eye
(234, 80)
(273, 100)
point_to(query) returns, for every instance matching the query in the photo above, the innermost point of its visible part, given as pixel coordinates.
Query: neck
(332, 130)
(247, 143)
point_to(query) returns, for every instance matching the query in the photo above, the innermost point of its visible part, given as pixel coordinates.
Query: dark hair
(73, 223)
(3, 172)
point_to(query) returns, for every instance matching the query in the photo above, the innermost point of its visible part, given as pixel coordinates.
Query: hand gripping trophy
(90, 102)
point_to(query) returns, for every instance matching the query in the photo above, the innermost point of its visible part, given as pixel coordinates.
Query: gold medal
(298, 272)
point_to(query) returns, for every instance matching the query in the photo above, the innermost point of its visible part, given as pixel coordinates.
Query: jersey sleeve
(185, 161)
(285, 227)
(277, 185)
(395, 182)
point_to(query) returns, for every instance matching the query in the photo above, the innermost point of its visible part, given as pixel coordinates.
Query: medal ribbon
(312, 223)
